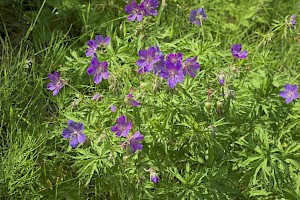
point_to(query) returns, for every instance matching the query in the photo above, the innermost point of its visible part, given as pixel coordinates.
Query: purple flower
(56, 83)
(149, 60)
(160, 65)
(197, 16)
(130, 100)
(149, 7)
(122, 127)
(290, 93)
(134, 10)
(92, 48)
(134, 142)
(102, 41)
(113, 108)
(99, 70)
(174, 58)
(293, 21)
(153, 176)
(191, 66)
(75, 132)
(94, 44)
(221, 78)
(173, 73)
(97, 97)
(236, 50)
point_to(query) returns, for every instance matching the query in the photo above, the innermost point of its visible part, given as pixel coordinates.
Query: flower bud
(153, 176)
(219, 104)
(221, 78)
(208, 105)
(125, 158)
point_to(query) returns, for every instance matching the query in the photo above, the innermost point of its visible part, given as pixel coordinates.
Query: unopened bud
(219, 104)
(208, 105)
(125, 158)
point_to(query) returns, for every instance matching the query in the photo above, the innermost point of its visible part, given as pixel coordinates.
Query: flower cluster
(97, 68)
(136, 11)
(170, 68)
(122, 128)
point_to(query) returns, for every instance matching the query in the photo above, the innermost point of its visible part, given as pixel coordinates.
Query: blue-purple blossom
(290, 93)
(221, 78)
(151, 59)
(174, 74)
(197, 16)
(132, 101)
(98, 69)
(149, 7)
(154, 176)
(236, 50)
(293, 21)
(75, 133)
(113, 108)
(93, 45)
(101, 41)
(173, 69)
(191, 66)
(123, 126)
(174, 58)
(135, 11)
(56, 83)
(96, 97)
(134, 142)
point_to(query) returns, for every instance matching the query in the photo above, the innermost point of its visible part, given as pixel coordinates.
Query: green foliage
(243, 144)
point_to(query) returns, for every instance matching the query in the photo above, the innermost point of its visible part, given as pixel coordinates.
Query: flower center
(173, 72)
(291, 94)
(149, 59)
(122, 127)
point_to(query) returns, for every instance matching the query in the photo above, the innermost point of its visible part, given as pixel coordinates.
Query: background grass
(250, 151)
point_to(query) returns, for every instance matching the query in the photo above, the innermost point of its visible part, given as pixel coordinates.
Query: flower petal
(67, 133)
(81, 138)
(74, 142)
(72, 125)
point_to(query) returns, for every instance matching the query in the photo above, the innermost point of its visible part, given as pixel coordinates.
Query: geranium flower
(236, 50)
(173, 73)
(290, 93)
(149, 7)
(134, 142)
(293, 21)
(134, 10)
(132, 101)
(149, 60)
(197, 16)
(75, 133)
(56, 83)
(96, 97)
(191, 66)
(98, 69)
(122, 128)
